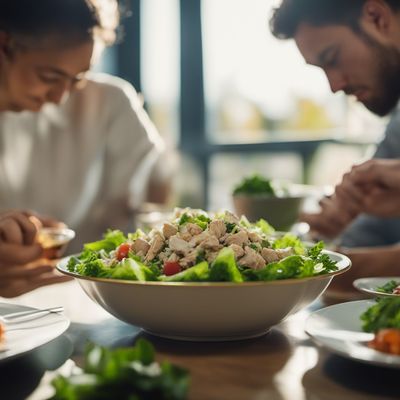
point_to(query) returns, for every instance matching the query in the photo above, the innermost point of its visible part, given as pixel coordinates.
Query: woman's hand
(17, 239)
(21, 267)
(16, 280)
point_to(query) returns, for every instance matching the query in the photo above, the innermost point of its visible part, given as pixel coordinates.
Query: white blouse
(81, 162)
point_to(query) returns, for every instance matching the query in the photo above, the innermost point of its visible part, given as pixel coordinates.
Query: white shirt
(80, 162)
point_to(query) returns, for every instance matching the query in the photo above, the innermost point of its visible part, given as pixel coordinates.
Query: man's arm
(367, 230)
(337, 212)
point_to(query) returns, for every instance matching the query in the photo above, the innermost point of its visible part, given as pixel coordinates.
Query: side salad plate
(382, 286)
(338, 328)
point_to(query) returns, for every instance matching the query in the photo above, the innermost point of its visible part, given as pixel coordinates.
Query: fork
(28, 315)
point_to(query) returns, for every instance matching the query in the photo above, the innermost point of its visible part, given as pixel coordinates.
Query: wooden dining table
(284, 364)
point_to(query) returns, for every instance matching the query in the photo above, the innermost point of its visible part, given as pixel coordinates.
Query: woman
(74, 145)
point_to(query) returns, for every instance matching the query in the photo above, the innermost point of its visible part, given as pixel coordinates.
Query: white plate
(370, 285)
(24, 337)
(338, 328)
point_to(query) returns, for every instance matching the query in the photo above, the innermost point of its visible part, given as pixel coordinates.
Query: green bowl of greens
(279, 204)
(204, 277)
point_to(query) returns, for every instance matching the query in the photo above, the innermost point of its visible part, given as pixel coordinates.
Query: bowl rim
(298, 191)
(260, 196)
(68, 233)
(343, 264)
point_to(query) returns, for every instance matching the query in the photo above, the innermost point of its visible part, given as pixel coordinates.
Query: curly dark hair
(290, 14)
(74, 20)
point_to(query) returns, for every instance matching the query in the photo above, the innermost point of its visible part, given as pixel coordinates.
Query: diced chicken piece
(254, 237)
(140, 247)
(189, 260)
(179, 245)
(154, 232)
(231, 218)
(252, 259)
(239, 238)
(185, 235)
(237, 250)
(211, 243)
(196, 240)
(217, 228)
(165, 254)
(193, 229)
(224, 237)
(173, 257)
(169, 230)
(282, 253)
(156, 245)
(269, 255)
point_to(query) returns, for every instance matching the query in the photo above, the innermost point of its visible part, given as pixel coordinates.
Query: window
(160, 63)
(264, 110)
(258, 88)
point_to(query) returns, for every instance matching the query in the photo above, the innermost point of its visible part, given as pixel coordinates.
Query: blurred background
(233, 100)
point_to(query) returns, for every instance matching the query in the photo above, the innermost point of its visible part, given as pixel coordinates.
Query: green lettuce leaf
(132, 269)
(287, 268)
(265, 227)
(384, 314)
(224, 267)
(111, 240)
(388, 287)
(201, 220)
(290, 240)
(125, 373)
(197, 273)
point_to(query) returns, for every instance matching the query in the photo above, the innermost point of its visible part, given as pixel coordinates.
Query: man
(357, 44)
(76, 146)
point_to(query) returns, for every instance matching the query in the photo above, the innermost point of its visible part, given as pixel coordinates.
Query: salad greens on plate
(124, 374)
(194, 246)
(391, 287)
(383, 319)
(384, 314)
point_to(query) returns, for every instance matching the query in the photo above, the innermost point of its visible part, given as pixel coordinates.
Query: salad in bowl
(196, 247)
(204, 277)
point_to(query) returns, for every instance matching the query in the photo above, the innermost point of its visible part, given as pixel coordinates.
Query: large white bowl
(208, 311)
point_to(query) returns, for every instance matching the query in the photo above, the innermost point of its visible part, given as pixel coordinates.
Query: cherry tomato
(387, 340)
(122, 251)
(171, 268)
